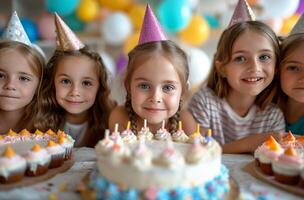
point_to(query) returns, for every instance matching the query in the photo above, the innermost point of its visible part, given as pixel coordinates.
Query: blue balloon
(30, 28)
(61, 7)
(174, 15)
(74, 23)
(212, 21)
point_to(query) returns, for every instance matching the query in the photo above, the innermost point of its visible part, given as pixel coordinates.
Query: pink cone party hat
(66, 38)
(298, 27)
(151, 29)
(15, 31)
(242, 13)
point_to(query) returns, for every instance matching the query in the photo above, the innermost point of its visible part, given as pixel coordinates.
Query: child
(292, 79)
(236, 104)
(21, 70)
(156, 82)
(74, 94)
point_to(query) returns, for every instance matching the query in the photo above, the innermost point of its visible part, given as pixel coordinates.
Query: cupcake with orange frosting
(12, 166)
(260, 149)
(268, 155)
(2, 141)
(287, 167)
(67, 145)
(38, 160)
(50, 135)
(12, 137)
(38, 135)
(180, 135)
(288, 140)
(25, 135)
(57, 153)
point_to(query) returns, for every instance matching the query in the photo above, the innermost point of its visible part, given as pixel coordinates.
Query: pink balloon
(46, 27)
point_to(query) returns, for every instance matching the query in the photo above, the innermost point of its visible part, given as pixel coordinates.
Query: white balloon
(278, 8)
(116, 28)
(109, 64)
(199, 66)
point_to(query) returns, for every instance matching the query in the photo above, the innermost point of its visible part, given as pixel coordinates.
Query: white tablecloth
(62, 186)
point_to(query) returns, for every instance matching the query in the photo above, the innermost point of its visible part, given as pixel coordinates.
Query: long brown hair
(52, 115)
(223, 54)
(37, 64)
(139, 55)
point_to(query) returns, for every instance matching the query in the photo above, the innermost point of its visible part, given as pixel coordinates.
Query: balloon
(199, 66)
(278, 8)
(136, 14)
(102, 14)
(116, 28)
(87, 10)
(30, 28)
(174, 15)
(275, 23)
(109, 63)
(196, 32)
(121, 63)
(300, 8)
(74, 23)
(289, 23)
(131, 42)
(46, 27)
(62, 8)
(213, 22)
(116, 4)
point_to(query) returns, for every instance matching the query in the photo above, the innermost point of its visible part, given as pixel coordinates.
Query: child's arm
(189, 124)
(248, 144)
(118, 115)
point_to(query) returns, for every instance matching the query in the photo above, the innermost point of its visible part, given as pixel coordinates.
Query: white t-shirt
(76, 131)
(212, 112)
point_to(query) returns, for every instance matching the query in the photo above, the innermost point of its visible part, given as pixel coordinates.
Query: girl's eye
(143, 86)
(168, 88)
(2, 76)
(293, 68)
(240, 59)
(264, 57)
(87, 83)
(65, 81)
(24, 78)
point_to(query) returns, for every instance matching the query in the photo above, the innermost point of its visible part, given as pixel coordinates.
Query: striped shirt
(212, 112)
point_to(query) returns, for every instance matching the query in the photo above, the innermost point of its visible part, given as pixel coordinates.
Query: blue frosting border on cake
(213, 190)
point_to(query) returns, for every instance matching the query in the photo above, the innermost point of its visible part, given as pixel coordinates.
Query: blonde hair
(139, 55)
(37, 64)
(223, 55)
(52, 115)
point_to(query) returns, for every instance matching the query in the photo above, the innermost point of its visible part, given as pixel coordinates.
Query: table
(63, 186)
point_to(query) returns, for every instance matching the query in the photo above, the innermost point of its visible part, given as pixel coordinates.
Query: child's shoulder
(118, 115)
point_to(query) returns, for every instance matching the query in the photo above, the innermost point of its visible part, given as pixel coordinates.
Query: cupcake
(268, 155)
(288, 140)
(57, 153)
(260, 149)
(301, 184)
(162, 133)
(141, 157)
(145, 132)
(180, 135)
(12, 166)
(38, 135)
(287, 167)
(2, 141)
(170, 157)
(50, 135)
(12, 137)
(38, 160)
(127, 135)
(25, 135)
(67, 145)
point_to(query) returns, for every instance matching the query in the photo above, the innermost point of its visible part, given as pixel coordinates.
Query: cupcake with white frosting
(170, 157)
(145, 132)
(162, 133)
(180, 135)
(57, 153)
(127, 135)
(141, 156)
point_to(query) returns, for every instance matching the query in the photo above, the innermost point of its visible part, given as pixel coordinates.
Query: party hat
(151, 29)
(242, 13)
(298, 27)
(66, 39)
(15, 31)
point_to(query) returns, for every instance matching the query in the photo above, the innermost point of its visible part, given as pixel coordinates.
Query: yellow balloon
(87, 10)
(196, 32)
(289, 23)
(116, 4)
(136, 14)
(131, 42)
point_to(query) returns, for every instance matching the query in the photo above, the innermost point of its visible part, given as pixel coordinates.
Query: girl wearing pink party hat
(75, 94)
(21, 72)
(236, 104)
(156, 82)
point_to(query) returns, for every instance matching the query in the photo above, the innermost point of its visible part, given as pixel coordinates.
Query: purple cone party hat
(66, 39)
(242, 13)
(151, 29)
(298, 27)
(15, 31)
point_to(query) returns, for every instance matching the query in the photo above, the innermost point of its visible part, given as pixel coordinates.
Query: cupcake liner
(57, 160)
(68, 153)
(36, 169)
(13, 176)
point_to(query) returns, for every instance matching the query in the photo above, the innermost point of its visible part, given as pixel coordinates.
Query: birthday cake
(150, 168)
(30, 154)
